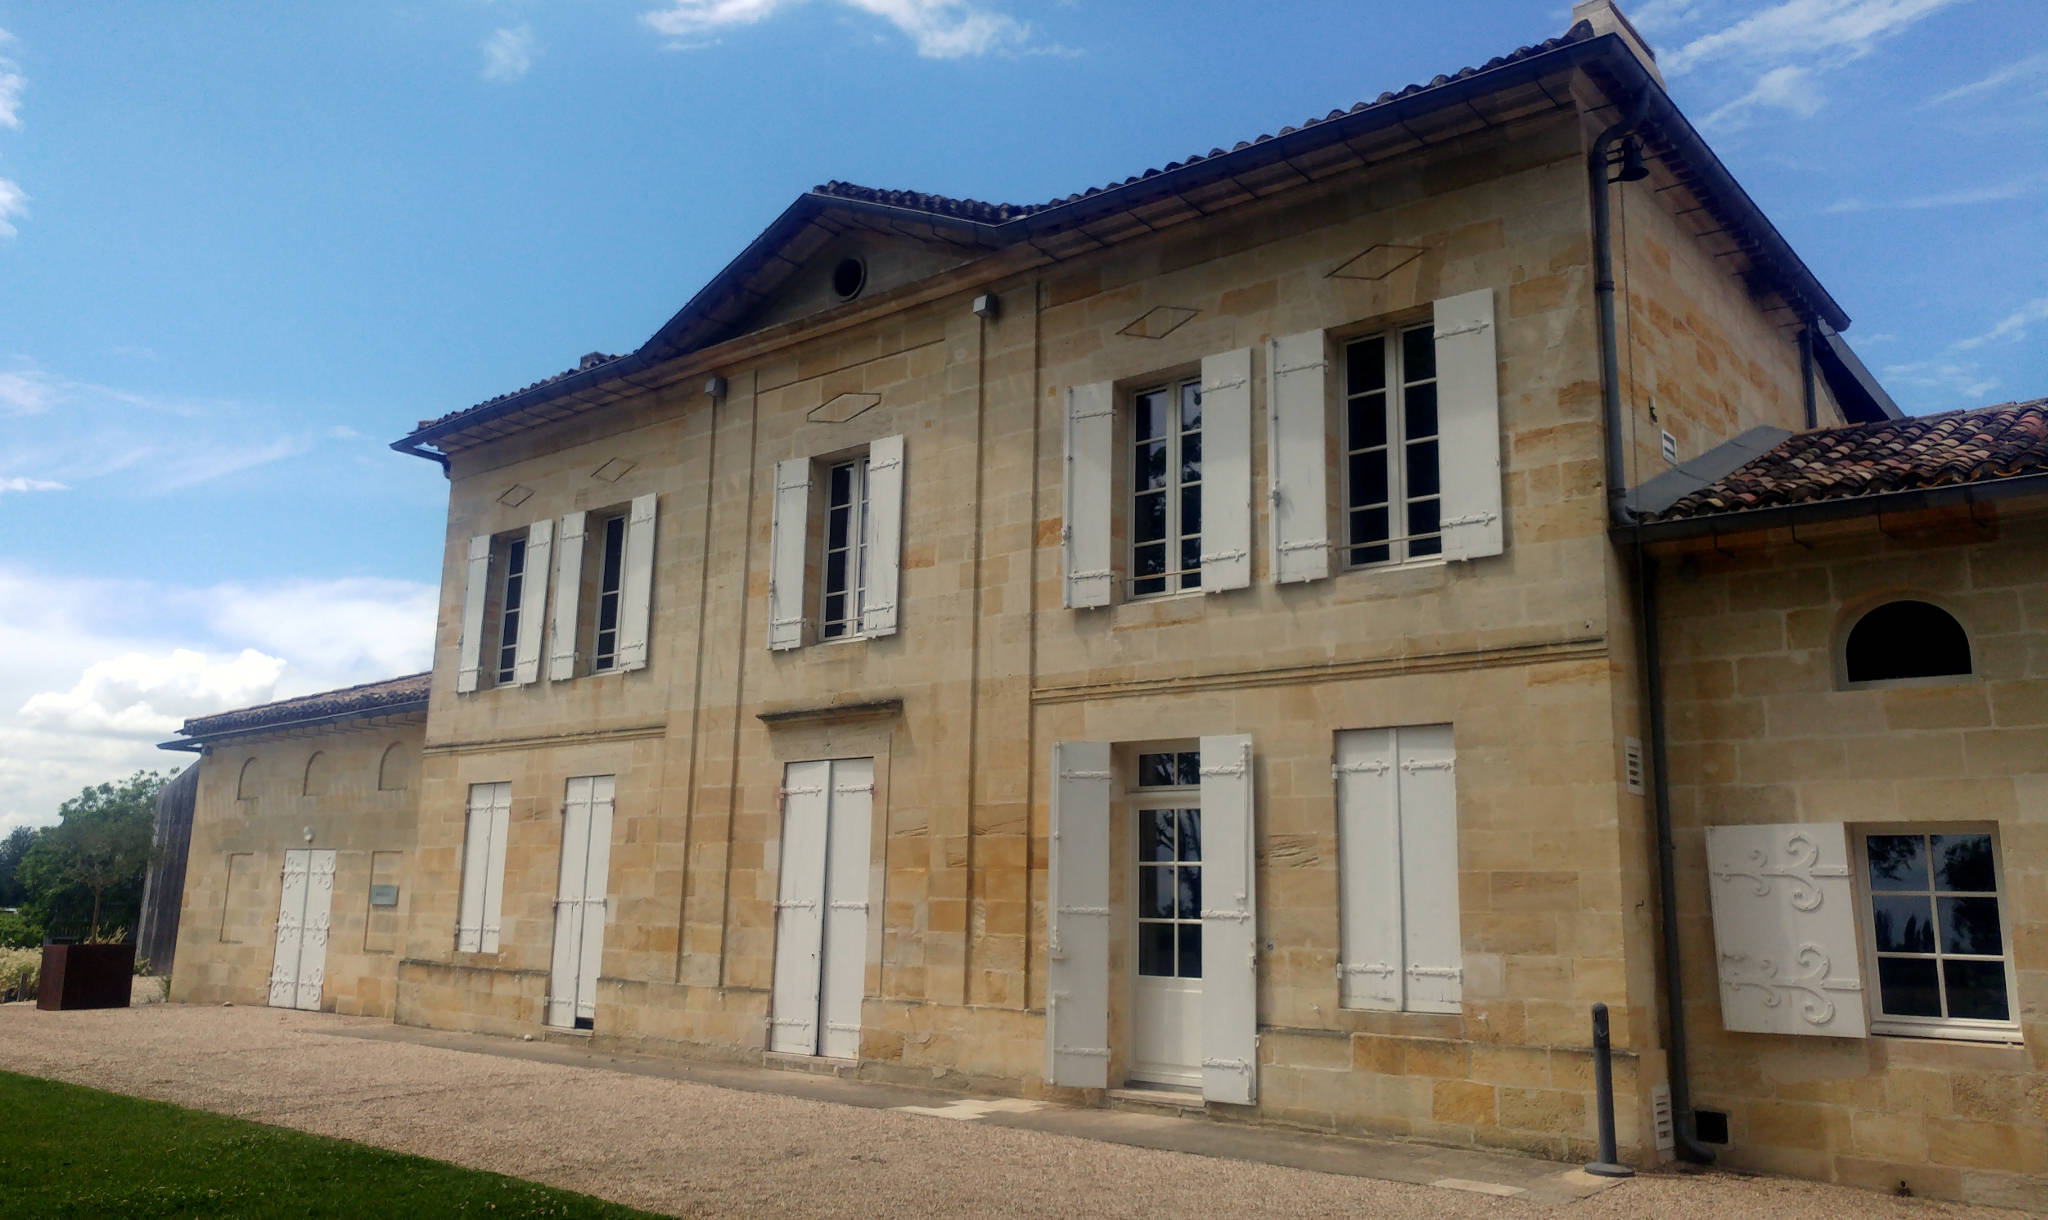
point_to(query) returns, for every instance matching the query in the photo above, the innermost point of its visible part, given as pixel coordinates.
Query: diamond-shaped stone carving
(1376, 262)
(841, 407)
(613, 470)
(515, 495)
(1159, 322)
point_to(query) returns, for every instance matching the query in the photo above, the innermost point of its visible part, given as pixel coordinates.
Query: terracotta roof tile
(367, 699)
(1891, 455)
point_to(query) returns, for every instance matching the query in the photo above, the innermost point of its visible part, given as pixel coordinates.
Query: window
(509, 598)
(1393, 492)
(483, 868)
(1166, 488)
(1397, 870)
(245, 781)
(391, 769)
(1936, 931)
(611, 566)
(1905, 641)
(1169, 863)
(846, 549)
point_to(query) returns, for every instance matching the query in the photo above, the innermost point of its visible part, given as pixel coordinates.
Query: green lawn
(69, 1151)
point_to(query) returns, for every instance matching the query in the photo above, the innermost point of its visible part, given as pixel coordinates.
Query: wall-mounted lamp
(309, 834)
(715, 387)
(985, 306)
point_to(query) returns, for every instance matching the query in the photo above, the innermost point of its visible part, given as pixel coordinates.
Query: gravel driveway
(695, 1150)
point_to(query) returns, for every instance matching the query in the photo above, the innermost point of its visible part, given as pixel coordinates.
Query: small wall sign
(383, 895)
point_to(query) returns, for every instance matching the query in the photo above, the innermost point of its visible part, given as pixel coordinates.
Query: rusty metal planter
(86, 976)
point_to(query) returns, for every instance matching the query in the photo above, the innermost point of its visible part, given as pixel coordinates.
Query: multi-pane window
(1169, 866)
(1393, 505)
(846, 550)
(610, 581)
(1166, 488)
(1935, 927)
(511, 598)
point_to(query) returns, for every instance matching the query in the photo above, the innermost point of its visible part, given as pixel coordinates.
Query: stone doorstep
(1139, 1118)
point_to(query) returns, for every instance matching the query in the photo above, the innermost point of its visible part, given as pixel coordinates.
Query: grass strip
(71, 1151)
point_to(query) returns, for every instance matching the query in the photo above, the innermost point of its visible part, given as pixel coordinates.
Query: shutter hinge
(1300, 368)
(885, 464)
(1378, 766)
(1219, 386)
(1411, 766)
(1311, 544)
(848, 789)
(1378, 968)
(1103, 775)
(1469, 328)
(1209, 557)
(1093, 1052)
(1436, 972)
(796, 904)
(1240, 914)
(1078, 416)
(804, 486)
(1471, 519)
(1102, 911)
(1232, 1065)
(845, 904)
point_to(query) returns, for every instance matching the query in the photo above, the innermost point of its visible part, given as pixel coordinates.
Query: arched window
(391, 769)
(315, 777)
(1905, 639)
(245, 783)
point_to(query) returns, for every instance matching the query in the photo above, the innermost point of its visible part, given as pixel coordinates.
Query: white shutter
(596, 878)
(799, 903)
(1085, 523)
(494, 865)
(568, 590)
(476, 590)
(637, 584)
(1077, 918)
(569, 912)
(1369, 966)
(884, 535)
(1785, 929)
(1468, 425)
(291, 915)
(476, 850)
(848, 839)
(1297, 456)
(1230, 925)
(786, 553)
(313, 939)
(1227, 470)
(533, 594)
(1427, 781)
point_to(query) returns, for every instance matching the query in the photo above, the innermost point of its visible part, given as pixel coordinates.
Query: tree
(87, 871)
(12, 849)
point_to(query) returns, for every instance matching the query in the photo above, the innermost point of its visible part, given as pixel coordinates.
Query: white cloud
(136, 694)
(12, 83)
(29, 392)
(1996, 192)
(1957, 384)
(508, 53)
(2013, 326)
(1803, 30)
(940, 29)
(1789, 88)
(13, 206)
(19, 483)
(345, 630)
(2033, 70)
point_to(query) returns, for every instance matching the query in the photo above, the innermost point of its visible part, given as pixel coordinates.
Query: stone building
(1176, 645)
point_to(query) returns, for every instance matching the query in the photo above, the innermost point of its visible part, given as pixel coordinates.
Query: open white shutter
(568, 590)
(1077, 918)
(1785, 929)
(1468, 425)
(476, 589)
(1369, 952)
(1085, 527)
(799, 908)
(533, 593)
(1434, 968)
(1230, 924)
(636, 589)
(494, 865)
(1297, 456)
(1227, 470)
(786, 553)
(884, 535)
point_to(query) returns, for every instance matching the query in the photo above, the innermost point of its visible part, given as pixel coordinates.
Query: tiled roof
(1892, 455)
(368, 699)
(593, 360)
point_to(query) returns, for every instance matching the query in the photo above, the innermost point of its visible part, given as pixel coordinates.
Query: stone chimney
(592, 360)
(1606, 18)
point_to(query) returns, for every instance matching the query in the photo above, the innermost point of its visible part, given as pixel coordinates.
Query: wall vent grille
(1632, 764)
(1660, 1118)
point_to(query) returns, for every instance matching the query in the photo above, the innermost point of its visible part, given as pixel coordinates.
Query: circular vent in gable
(848, 278)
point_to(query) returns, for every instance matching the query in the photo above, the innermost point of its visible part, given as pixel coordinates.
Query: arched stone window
(1905, 640)
(316, 777)
(245, 783)
(391, 769)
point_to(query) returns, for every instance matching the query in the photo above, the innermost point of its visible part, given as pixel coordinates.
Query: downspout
(1624, 517)
(1806, 376)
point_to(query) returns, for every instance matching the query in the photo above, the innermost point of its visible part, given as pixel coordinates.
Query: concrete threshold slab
(1503, 1174)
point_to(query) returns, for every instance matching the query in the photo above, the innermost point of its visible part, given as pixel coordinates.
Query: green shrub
(19, 931)
(20, 969)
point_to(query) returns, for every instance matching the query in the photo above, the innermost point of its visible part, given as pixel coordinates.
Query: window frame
(1174, 491)
(1140, 799)
(1966, 1029)
(1394, 387)
(504, 671)
(857, 545)
(610, 529)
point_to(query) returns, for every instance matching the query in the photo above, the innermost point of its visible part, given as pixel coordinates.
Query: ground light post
(1609, 1165)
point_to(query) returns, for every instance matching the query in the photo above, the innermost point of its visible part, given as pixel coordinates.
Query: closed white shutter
(884, 535)
(1785, 929)
(1227, 470)
(1297, 456)
(1077, 921)
(1369, 967)
(476, 853)
(1468, 425)
(568, 591)
(786, 553)
(848, 851)
(596, 906)
(1085, 524)
(291, 914)
(569, 912)
(494, 865)
(476, 589)
(313, 940)
(1230, 925)
(533, 593)
(799, 908)
(1434, 967)
(636, 587)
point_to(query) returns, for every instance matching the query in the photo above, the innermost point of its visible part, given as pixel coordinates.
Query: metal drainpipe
(1806, 376)
(1646, 611)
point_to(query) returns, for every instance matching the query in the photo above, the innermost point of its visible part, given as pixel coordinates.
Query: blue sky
(244, 246)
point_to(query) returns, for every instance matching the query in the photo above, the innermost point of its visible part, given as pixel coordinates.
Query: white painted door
(1166, 1010)
(821, 908)
(299, 968)
(580, 903)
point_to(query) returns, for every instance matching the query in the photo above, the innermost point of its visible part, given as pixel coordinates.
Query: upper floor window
(836, 555)
(1393, 489)
(511, 594)
(846, 549)
(609, 539)
(1905, 640)
(1166, 488)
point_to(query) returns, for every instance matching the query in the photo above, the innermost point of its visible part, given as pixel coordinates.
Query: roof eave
(187, 740)
(1755, 520)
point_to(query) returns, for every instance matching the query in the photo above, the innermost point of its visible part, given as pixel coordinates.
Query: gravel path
(695, 1150)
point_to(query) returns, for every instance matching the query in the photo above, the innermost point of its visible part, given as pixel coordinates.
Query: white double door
(580, 903)
(821, 908)
(307, 896)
